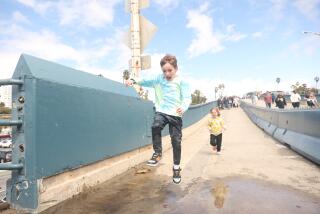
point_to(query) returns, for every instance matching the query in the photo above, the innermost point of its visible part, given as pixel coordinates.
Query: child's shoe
(156, 157)
(176, 178)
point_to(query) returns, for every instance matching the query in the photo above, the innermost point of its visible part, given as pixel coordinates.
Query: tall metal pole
(317, 80)
(314, 33)
(135, 38)
(140, 34)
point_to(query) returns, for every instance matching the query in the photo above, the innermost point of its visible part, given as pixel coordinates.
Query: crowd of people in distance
(228, 102)
(281, 102)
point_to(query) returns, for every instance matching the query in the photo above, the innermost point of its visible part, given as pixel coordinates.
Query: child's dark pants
(175, 127)
(216, 141)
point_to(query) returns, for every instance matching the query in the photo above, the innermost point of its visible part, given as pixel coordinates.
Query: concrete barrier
(300, 129)
(76, 130)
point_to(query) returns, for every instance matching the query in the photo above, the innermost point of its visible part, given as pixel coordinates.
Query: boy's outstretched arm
(148, 82)
(143, 82)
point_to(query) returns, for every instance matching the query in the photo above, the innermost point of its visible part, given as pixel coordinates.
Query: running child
(216, 126)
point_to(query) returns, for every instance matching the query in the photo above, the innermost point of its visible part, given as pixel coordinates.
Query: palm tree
(317, 80)
(216, 89)
(221, 88)
(126, 75)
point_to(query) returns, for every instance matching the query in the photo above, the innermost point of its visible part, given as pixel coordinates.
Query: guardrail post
(19, 187)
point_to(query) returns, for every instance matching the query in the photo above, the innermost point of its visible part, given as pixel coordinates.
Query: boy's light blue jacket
(169, 95)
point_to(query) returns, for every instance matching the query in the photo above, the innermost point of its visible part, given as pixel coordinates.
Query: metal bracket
(11, 122)
(11, 82)
(11, 166)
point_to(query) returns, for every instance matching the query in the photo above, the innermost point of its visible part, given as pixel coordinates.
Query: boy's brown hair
(168, 58)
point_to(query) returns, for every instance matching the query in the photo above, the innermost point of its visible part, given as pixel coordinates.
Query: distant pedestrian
(295, 99)
(226, 102)
(280, 101)
(312, 101)
(236, 102)
(254, 99)
(230, 101)
(273, 98)
(220, 103)
(216, 126)
(268, 99)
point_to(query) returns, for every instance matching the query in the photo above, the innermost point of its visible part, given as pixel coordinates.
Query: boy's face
(169, 71)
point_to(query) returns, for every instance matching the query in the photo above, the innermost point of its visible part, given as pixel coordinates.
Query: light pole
(314, 33)
(317, 80)
(278, 81)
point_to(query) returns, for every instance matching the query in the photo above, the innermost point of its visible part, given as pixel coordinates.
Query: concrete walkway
(4, 176)
(254, 174)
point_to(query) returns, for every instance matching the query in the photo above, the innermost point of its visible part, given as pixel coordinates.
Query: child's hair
(217, 110)
(168, 58)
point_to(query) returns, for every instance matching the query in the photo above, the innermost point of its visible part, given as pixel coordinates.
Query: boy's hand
(180, 111)
(128, 82)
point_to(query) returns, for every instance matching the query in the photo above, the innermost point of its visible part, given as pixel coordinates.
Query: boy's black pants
(216, 141)
(175, 130)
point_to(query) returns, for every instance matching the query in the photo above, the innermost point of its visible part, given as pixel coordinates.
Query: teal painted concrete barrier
(300, 129)
(70, 119)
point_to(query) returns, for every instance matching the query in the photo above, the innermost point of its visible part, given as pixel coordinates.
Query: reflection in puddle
(219, 192)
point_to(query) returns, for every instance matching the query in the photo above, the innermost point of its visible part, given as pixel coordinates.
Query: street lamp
(278, 81)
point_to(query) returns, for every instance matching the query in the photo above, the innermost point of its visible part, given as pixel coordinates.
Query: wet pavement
(254, 174)
(149, 193)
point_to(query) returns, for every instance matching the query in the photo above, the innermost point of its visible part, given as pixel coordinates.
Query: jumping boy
(172, 99)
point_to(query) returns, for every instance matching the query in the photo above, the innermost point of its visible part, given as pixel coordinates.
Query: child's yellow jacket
(215, 125)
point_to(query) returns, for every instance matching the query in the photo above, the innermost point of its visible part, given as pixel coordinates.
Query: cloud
(232, 35)
(167, 4)
(85, 13)
(257, 35)
(307, 46)
(48, 45)
(309, 8)
(44, 43)
(40, 7)
(207, 39)
(277, 8)
(18, 17)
